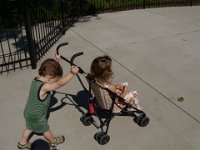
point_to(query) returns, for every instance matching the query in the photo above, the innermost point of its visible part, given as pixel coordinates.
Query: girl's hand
(74, 70)
(119, 89)
(122, 89)
(57, 56)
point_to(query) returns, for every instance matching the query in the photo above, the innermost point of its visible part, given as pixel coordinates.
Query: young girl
(101, 71)
(36, 109)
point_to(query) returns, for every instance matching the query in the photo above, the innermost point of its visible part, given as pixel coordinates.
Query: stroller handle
(60, 45)
(74, 56)
(71, 61)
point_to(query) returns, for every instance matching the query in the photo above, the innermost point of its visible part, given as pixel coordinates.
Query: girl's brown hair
(101, 69)
(50, 67)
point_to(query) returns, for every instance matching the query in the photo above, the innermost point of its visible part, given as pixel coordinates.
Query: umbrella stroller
(104, 115)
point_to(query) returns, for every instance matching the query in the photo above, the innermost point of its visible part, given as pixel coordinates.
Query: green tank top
(36, 109)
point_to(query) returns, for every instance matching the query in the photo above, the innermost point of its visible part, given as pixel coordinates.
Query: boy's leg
(24, 144)
(25, 136)
(54, 141)
(49, 136)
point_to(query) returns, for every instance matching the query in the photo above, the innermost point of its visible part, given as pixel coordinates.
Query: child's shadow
(40, 144)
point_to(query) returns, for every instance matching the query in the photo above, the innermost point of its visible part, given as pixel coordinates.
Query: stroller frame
(104, 116)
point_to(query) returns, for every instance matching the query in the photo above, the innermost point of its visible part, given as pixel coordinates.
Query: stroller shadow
(53, 102)
(79, 101)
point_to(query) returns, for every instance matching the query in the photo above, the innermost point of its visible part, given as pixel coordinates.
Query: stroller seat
(103, 99)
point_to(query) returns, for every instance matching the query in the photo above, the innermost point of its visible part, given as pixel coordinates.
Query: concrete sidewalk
(155, 50)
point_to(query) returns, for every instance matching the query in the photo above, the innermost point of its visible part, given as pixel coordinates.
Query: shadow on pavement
(40, 144)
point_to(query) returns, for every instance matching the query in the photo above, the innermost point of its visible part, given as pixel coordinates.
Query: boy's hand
(74, 70)
(57, 56)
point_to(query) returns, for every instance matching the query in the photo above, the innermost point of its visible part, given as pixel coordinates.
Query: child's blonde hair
(101, 69)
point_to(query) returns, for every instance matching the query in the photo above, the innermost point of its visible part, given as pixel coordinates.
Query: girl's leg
(25, 136)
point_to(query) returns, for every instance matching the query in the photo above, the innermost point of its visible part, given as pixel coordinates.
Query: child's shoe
(25, 146)
(58, 140)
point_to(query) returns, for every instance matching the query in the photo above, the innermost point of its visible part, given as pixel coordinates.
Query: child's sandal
(25, 146)
(58, 140)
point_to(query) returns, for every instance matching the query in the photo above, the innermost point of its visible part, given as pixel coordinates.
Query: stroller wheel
(87, 120)
(98, 135)
(142, 120)
(104, 139)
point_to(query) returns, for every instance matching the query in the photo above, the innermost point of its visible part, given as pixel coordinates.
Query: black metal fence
(13, 40)
(28, 28)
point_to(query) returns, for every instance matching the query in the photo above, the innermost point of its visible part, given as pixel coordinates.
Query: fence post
(27, 18)
(190, 2)
(144, 4)
(62, 13)
(62, 17)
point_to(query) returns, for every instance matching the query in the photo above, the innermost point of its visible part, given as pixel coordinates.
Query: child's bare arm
(119, 89)
(113, 88)
(60, 82)
(57, 56)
